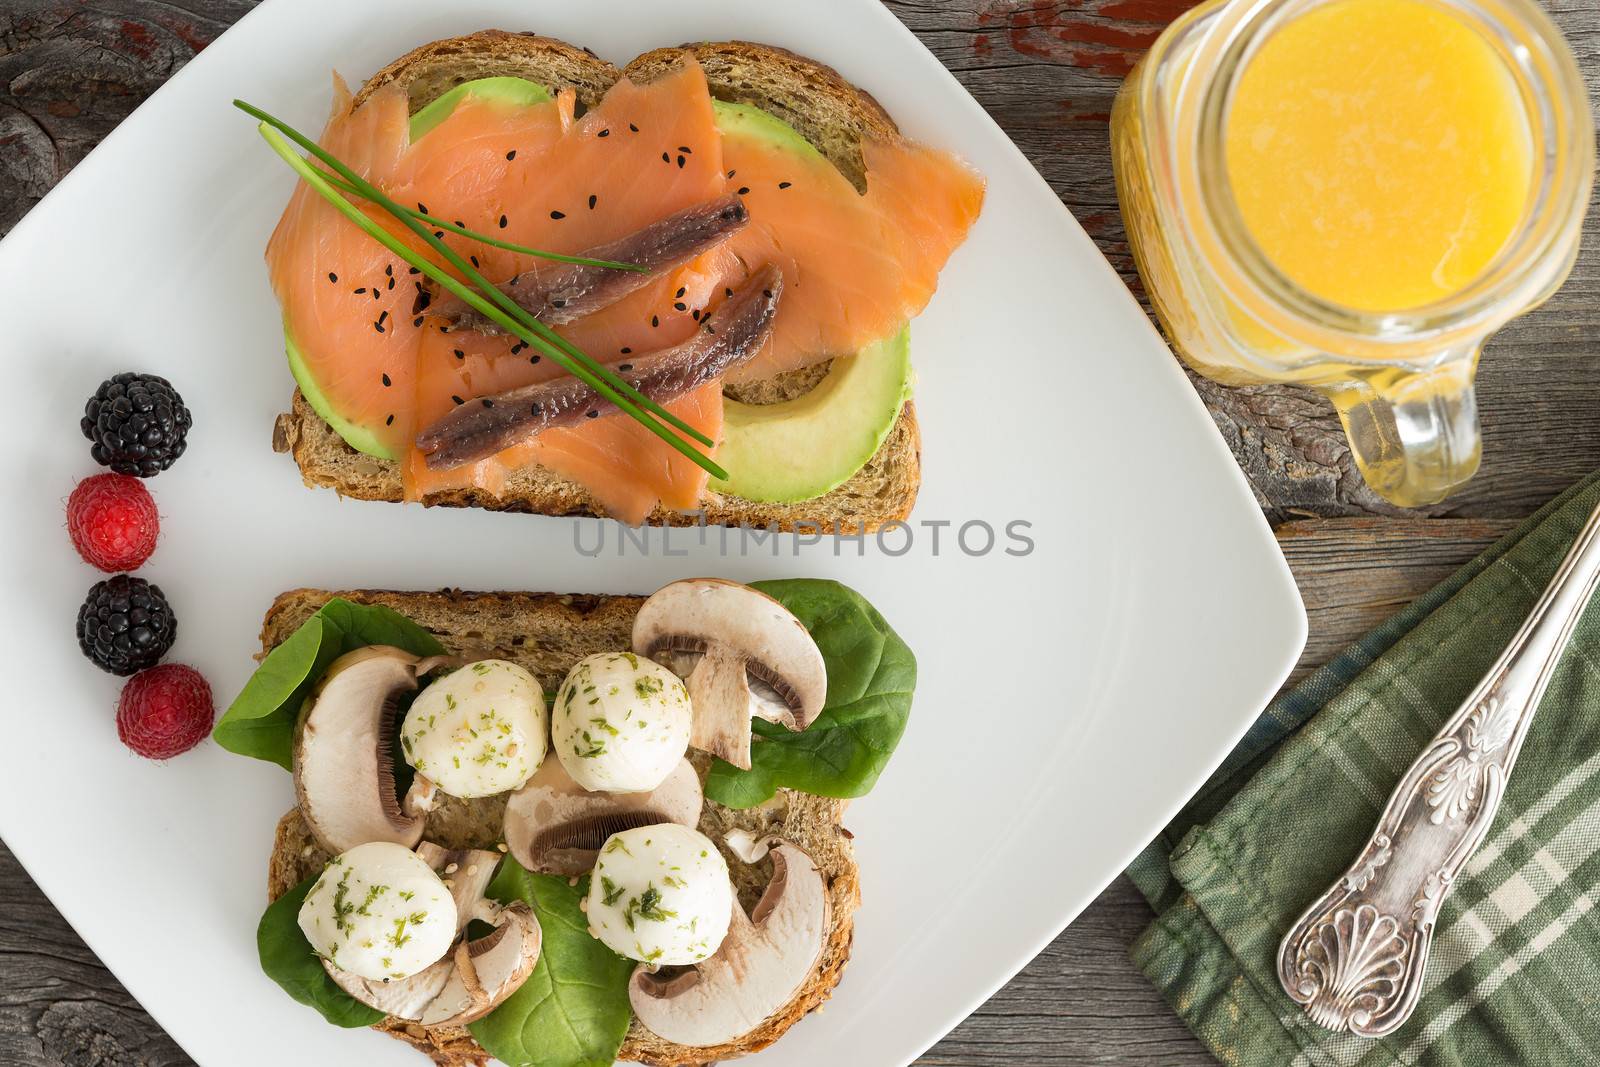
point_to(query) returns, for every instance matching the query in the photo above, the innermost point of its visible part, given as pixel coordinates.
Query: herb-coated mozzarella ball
(620, 723)
(660, 895)
(379, 911)
(477, 731)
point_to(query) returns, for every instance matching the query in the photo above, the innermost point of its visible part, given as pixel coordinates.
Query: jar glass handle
(1414, 435)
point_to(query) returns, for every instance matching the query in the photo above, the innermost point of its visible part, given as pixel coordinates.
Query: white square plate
(1070, 699)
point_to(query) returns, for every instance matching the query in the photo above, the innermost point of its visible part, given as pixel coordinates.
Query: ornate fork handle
(1355, 959)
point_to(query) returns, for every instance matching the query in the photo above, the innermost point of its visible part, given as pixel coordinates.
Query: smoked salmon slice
(856, 265)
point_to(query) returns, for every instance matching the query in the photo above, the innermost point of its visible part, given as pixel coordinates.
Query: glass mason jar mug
(1294, 244)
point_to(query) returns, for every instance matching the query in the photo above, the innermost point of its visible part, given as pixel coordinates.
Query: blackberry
(126, 625)
(137, 423)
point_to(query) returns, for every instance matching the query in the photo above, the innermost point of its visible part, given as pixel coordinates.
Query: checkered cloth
(1514, 977)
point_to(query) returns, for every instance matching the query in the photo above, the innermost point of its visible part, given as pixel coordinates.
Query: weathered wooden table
(1047, 72)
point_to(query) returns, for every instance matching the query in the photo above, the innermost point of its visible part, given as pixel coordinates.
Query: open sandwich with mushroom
(561, 830)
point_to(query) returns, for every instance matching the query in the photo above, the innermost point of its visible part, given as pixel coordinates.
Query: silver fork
(1355, 959)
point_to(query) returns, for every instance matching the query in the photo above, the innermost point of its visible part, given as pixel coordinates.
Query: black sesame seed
(386, 381)
(389, 270)
(784, 185)
(696, 314)
(382, 315)
(744, 190)
(332, 277)
(558, 215)
(517, 348)
(460, 225)
(389, 421)
(666, 157)
(593, 200)
(655, 320)
(679, 305)
(460, 354)
(502, 222)
(680, 162)
(375, 294)
(390, 285)
(474, 260)
(422, 207)
(624, 367)
(626, 350)
(417, 321)
(591, 414)
(488, 403)
(603, 133)
(730, 174)
(686, 148)
(378, 326)
(511, 155)
(558, 303)
(414, 270)
(533, 360)
(681, 290)
(457, 399)
(535, 409)
(632, 127)
(361, 290)
(444, 329)
(727, 292)
(767, 293)
(438, 233)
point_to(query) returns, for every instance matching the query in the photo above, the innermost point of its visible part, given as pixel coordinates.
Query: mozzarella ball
(620, 723)
(379, 911)
(660, 895)
(477, 731)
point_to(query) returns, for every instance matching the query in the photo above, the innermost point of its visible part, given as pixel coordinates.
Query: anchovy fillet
(728, 337)
(563, 293)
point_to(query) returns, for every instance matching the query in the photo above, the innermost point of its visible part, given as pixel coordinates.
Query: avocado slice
(512, 92)
(802, 448)
(355, 435)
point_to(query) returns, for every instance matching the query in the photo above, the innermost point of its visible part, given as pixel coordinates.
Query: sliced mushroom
(554, 826)
(764, 961)
(741, 654)
(343, 763)
(476, 975)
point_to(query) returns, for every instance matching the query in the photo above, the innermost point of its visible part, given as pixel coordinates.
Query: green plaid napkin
(1515, 973)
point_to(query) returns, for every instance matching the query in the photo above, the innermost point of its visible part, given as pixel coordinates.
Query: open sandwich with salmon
(565, 830)
(753, 236)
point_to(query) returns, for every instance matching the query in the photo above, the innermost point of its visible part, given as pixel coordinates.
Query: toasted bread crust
(813, 98)
(547, 633)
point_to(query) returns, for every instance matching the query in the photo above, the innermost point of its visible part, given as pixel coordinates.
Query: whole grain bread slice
(547, 633)
(827, 110)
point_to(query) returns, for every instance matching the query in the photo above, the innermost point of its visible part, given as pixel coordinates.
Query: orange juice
(1378, 152)
(1353, 195)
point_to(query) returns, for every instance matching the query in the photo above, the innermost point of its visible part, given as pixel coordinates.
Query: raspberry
(164, 711)
(113, 522)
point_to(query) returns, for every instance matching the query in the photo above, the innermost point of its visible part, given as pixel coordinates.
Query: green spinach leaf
(260, 722)
(573, 1010)
(289, 960)
(871, 676)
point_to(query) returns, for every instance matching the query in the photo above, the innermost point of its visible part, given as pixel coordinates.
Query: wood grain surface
(1047, 72)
